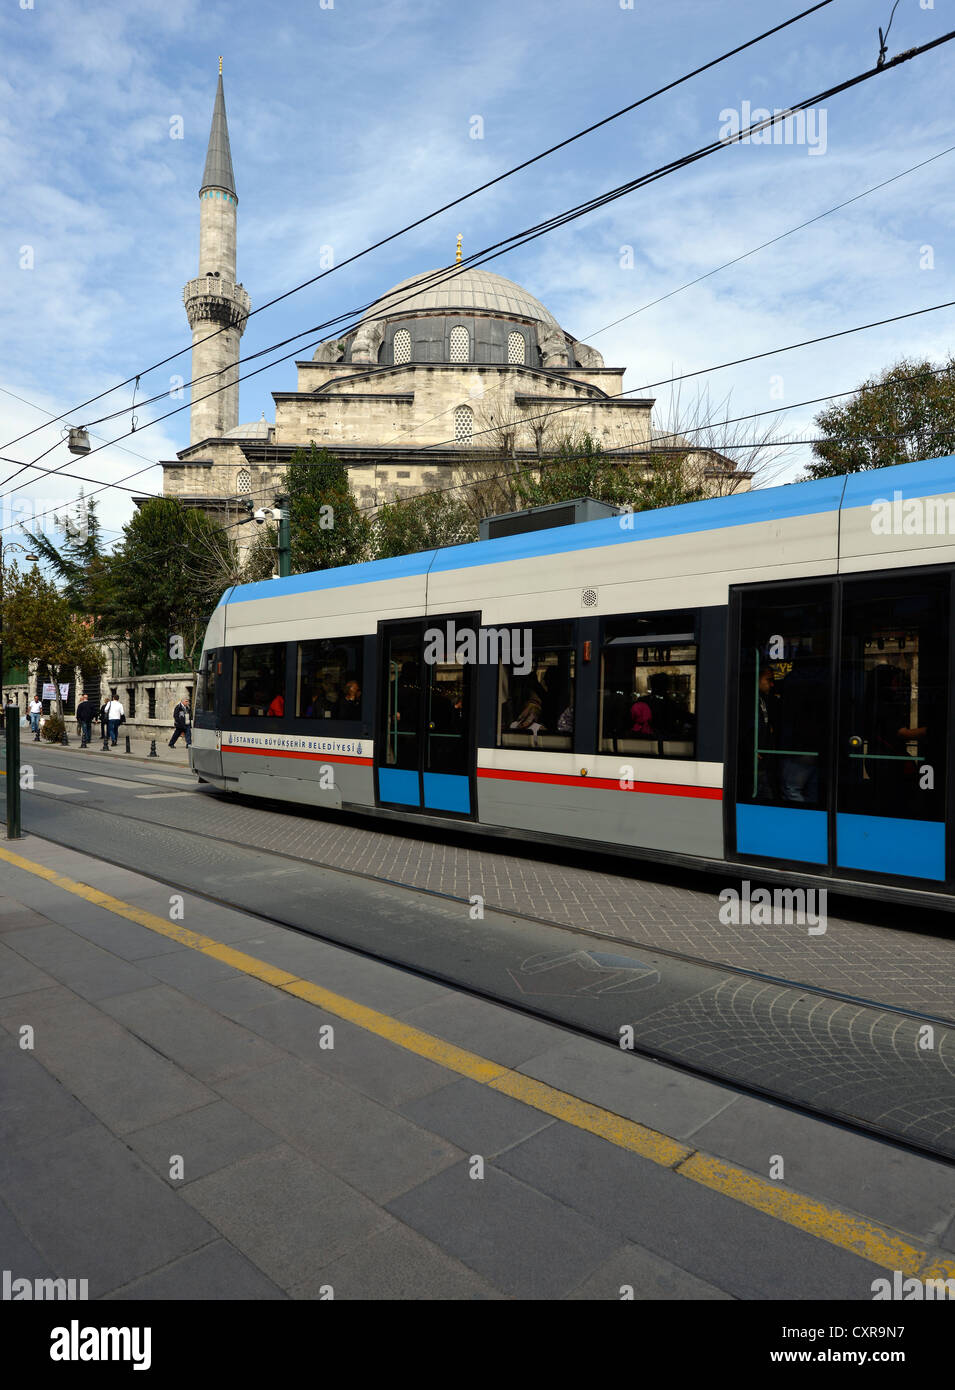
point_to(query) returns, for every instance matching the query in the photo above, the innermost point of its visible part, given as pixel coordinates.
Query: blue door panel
(445, 793)
(777, 832)
(882, 845)
(399, 786)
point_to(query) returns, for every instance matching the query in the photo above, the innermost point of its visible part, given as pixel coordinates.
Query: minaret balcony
(209, 298)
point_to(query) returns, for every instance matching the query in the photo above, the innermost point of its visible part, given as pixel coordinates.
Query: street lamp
(11, 545)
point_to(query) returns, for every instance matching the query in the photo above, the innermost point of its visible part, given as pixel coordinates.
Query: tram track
(732, 1008)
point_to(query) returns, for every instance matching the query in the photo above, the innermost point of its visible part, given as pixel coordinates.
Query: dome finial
(220, 64)
(457, 259)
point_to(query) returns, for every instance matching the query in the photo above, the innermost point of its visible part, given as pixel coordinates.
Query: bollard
(127, 744)
(152, 749)
(13, 773)
(106, 742)
(64, 740)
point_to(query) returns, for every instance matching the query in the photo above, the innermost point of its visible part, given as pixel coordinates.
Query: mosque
(446, 373)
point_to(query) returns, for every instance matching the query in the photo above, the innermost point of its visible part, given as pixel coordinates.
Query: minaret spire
(214, 300)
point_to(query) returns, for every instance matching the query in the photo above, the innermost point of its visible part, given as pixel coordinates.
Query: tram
(757, 682)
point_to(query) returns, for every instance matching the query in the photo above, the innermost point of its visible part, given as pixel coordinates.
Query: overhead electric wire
(446, 207)
(619, 192)
(763, 245)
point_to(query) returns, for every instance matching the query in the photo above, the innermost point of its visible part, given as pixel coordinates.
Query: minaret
(213, 300)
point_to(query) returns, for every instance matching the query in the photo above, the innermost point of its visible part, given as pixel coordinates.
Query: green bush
(53, 729)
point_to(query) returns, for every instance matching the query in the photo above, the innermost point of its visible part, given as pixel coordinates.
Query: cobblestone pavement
(896, 964)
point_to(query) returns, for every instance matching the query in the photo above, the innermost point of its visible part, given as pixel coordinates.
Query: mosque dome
(469, 291)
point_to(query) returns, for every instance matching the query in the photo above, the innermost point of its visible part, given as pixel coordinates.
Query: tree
(424, 522)
(80, 561)
(327, 526)
(165, 579)
(40, 625)
(580, 468)
(906, 413)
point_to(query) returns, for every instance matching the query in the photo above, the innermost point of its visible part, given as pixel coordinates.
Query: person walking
(84, 717)
(115, 714)
(36, 709)
(182, 718)
(102, 720)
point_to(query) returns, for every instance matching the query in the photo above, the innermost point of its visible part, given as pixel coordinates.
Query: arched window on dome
(460, 345)
(243, 482)
(402, 347)
(463, 424)
(516, 348)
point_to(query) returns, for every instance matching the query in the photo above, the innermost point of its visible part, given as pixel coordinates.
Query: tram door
(842, 725)
(890, 806)
(425, 735)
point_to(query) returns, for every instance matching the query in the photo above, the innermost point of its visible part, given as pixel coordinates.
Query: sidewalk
(139, 747)
(178, 1121)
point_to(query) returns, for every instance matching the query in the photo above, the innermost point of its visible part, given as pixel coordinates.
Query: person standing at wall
(182, 718)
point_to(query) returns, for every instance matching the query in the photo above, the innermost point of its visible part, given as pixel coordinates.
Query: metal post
(152, 749)
(13, 772)
(285, 538)
(127, 743)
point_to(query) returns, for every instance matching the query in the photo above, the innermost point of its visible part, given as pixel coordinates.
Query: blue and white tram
(762, 680)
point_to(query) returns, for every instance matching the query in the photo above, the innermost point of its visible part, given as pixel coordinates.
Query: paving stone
(644, 1277)
(123, 1081)
(95, 1211)
(721, 1241)
(359, 1059)
(904, 1190)
(475, 1118)
(397, 1264)
(186, 966)
(33, 1105)
(284, 1213)
(492, 1031)
(218, 1271)
(18, 1254)
(85, 968)
(374, 1149)
(658, 1096)
(206, 1139)
(202, 1042)
(522, 1241)
(19, 976)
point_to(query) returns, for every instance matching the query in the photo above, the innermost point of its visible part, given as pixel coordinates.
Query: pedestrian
(85, 711)
(36, 709)
(182, 718)
(102, 720)
(115, 715)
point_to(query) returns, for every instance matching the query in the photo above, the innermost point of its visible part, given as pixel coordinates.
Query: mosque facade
(446, 374)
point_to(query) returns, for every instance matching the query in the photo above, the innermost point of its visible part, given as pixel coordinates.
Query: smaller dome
(259, 429)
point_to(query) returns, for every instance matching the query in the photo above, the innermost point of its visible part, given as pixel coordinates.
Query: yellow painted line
(878, 1244)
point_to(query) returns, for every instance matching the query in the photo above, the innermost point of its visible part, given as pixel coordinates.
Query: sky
(350, 118)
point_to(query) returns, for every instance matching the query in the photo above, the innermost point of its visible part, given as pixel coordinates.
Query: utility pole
(12, 717)
(281, 514)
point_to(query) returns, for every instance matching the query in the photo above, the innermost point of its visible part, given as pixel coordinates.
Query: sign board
(49, 691)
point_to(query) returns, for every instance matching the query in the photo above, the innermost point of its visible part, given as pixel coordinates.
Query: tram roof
(925, 478)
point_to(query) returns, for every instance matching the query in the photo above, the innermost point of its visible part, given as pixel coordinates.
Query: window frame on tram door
(840, 587)
(422, 623)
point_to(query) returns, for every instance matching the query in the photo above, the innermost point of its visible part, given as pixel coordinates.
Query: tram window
(648, 686)
(784, 706)
(259, 680)
(206, 694)
(536, 686)
(329, 678)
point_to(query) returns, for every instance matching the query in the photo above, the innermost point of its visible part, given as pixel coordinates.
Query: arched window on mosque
(516, 348)
(402, 347)
(460, 344)
(243, 482)
(463, 424)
